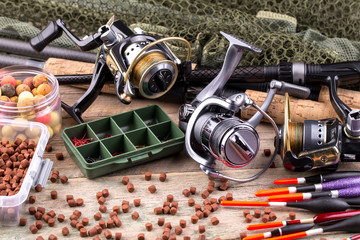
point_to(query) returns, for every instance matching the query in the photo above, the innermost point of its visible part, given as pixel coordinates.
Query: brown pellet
(71, 203)
(32, 210)
(201, 228)
(96, 238)
(41, 210)
(292, 215)
(158, 210)
(102, 224)
(39, 238)
(64, 179)
(148, 176)
(22, 221)
(110, 223)
(141, 236)
(246, 212)
(174, 204)
(98, 195)
(265, 218)
(117, 221)
(112, 214)
(69, 197)
(97, 216)
(61, 217)
(152, 189)
(98, 229)
(118, 235)
(173, 211)
(38, 215)
(32, 199)
(148, 227)
(39, 224)
(59, 156)
(116, 209)
(178, 230)
(74, 217)
(248, 218)
(166, 235)
(108, 234)
(105, 192)
(130, 187)
(53, 194)
(229, 197)
(194, 219)
(223, 186)
(51, 222)
(161, 221)
(214, 207)
(267, 210)
(125, 180)
(77, 213)
(191, 202)
(125, 202)
(166, 209)
(182, 223)
(73, 223)
(51, 213)
(272, 216)
(137, 202)
(38, 188)
(65, 231)
(210, 189)
(162, 177)
(243, 235)
(205, 194)
(214, 221)
(186, 192)
(135, 215)
(257, 213)
(197, 207)
(202, 237)
(54, 178)
(85, 221)
(206, 213)
(125, 208)
(101, 200)
(92, 232)
(166, 204)
(79, 202)
(187, 238)
(33, 229)
(46, 218)
(169, 198)
(222, 198)
(192, 190)
(52, 237)
(267, 152)
(83, 232)
(206, 202)
(102, 208)
(48, 148)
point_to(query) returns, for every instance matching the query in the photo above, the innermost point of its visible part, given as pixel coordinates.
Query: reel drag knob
(160, 81)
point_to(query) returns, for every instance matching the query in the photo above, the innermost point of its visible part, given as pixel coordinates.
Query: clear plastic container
(46, 110)
(37, 172)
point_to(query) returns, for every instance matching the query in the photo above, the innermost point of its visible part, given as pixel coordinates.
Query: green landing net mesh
(313, 31)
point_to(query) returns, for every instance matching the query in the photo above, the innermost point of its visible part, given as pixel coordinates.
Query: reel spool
(311, 144)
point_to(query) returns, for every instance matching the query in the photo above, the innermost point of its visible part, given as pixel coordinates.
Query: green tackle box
(123, 140)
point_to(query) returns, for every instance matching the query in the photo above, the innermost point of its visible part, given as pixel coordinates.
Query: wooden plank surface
(182, 173)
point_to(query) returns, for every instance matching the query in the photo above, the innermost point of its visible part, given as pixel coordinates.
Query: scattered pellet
(64, 179)
(32, 199)
(38, 215)
(206, 213)
(51, 213)
(201, 228)
(166, 209)
(125, 202)
(265, 218)
(169, 198)
(148, 227)
(83, 232)
(79, 202)
(200, 214)
(22, 221)
(98, 195)
(59, 156)
(118, 235)
(108, 234)
(46, 218)
(272, 216)
(158, 210)
(101, 200)
(186, 192)
(257, 213)
(48, 148)
(125, 180)
(182, 223)
(110, 223)
(102, 224)
(33, 229)
(98, 229)
(206, 202)
(214, 221)
(223, 186)
(32, 210)
(166, 204)
(105, 192)
(191, 202)
(65, 231)
(92, 232)
(213, 200)
(125, 208)
(53, 194)
(246, 212)
(51, 222)
(173, 211)
(147, 176)
(205, 194)
(168, 225)
(96, 238)
(77, 213)
(202, 237)
(113, 214)
(162, 177)
(267, 152)
(214, 207)
(248, 218)
(97, 216)
(222, 198)
(73, 223)
(71, 203)
(229, 197)
(192, 190)
(117, 221)
(152, 189)
(52, 237)
(178, 230)
(243, 235)
(85, 221)
(197, 207)
(102, 208)
(61, 217)
(194, 219)
(38, 188)
(166, 235)
(41, 210)
(187, 238)
(161, 221)
(174, 204)
(135, 215)
(267, 210)
(116, 209)
(210, 189)
(54, 178)
(130, 187)
(39, 238)
(292, 215)
(141, 236)
(69, 197)
(39, 224)
(74, 217)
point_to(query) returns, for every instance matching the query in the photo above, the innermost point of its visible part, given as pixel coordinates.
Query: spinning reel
(133, 60)
(213, 132)
(323, 143)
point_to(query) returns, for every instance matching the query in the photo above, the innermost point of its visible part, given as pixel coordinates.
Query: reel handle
(46, 36)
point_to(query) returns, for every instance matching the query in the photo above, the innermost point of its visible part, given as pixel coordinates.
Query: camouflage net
(319, 31)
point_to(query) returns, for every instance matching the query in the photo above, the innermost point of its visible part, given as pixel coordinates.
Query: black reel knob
(160, 81)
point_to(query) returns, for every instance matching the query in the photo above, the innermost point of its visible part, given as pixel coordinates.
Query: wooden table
(182, 172)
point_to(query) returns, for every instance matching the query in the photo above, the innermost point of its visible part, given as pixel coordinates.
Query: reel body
(321, 143)
(213, 132)
(133, 59)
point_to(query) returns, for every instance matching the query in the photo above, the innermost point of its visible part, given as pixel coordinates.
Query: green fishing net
(313, 31)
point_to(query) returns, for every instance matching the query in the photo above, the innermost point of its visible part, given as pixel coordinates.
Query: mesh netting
(321, 31)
